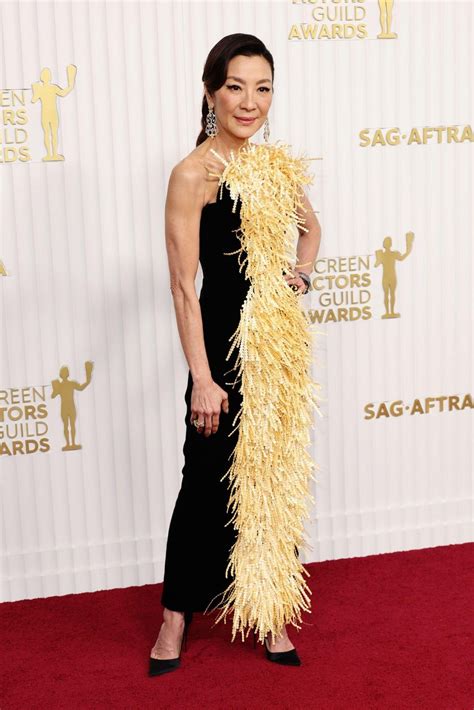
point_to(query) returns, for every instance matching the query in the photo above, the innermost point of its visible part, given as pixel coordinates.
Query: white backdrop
(84, 274)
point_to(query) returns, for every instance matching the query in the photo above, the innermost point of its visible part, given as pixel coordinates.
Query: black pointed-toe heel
(285, 658)
(159, 666)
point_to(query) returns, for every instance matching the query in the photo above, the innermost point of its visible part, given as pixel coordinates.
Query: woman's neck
(224, 146)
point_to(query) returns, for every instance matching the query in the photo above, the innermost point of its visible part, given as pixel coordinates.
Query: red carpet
(388, 631)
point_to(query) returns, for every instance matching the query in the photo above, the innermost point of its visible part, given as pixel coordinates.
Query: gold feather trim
(270, 473)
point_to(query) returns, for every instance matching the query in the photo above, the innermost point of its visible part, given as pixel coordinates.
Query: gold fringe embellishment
(271, 469)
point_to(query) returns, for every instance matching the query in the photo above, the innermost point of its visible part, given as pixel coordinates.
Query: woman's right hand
(207, 402)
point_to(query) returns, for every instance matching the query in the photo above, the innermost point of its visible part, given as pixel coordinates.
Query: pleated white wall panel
(87, 277)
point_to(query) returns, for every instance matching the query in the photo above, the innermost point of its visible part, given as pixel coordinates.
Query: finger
(215, 423)
(207, 425)
(225, 405)
(199, 419)
(196, 415)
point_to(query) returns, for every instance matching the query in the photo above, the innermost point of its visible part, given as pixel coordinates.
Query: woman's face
(246, 93)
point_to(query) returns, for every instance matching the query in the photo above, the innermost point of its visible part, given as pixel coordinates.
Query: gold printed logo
(416, 136)
(48, 93)
(24, 415)
(19, 135)
(64, 389)
(429, 404)
(387, 259)
(385, 18)
(342, 287)
(342, 19)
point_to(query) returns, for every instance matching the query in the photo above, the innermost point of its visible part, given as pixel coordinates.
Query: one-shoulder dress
(199, 536)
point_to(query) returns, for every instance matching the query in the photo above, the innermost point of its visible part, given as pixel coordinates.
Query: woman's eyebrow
(243, 82)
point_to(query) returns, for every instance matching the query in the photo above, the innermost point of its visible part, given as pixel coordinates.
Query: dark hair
(215, 68)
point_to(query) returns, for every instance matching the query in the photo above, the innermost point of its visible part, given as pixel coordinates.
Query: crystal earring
(211, 125)
(266, 130)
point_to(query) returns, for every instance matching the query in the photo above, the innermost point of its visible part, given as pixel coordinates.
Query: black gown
(199, 541)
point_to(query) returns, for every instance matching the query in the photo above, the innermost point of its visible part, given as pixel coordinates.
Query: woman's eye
(235, 86)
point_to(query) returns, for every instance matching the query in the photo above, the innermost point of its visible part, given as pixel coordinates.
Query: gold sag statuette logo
(334, 19)
(47, 93)
(3, 271)
(15, 139)
(65, 388)
(387, 259)
(385, 18)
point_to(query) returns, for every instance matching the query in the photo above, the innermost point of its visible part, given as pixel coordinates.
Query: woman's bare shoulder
(187, 181)
(194, 161)
(197, 173)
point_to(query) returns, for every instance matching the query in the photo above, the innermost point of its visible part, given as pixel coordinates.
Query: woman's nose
(248, 102)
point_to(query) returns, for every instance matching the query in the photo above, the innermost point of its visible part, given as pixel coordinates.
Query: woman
(201, 226)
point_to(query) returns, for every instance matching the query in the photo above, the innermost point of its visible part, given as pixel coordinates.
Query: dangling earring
(211, 125)
(266, 130)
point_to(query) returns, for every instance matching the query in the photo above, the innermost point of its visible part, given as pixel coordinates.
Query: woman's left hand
(293, 279)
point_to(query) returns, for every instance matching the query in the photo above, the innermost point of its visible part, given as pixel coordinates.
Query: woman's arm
(182, 222)
(308, 244)
(182, 219)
